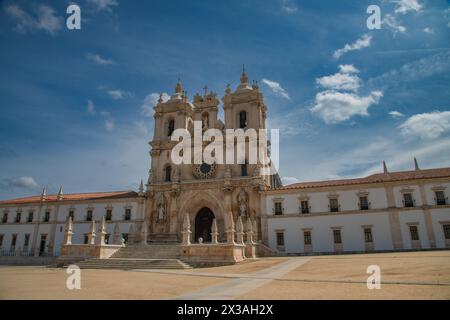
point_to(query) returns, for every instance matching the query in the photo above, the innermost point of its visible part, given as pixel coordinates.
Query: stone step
(127, 264)
(153, 251)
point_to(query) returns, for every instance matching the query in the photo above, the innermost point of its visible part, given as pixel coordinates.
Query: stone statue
(243, 203)
(161, 206)
(161, 213)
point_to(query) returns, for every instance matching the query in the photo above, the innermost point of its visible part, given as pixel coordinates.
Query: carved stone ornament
(204, 170)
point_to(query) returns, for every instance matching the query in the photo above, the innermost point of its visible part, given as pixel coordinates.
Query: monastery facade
(382, 212)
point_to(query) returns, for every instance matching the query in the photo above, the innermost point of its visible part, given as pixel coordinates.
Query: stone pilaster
(426, 213)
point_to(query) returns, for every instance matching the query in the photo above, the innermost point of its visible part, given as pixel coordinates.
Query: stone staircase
(155, 256)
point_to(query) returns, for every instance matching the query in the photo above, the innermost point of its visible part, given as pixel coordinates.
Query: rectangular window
(408, 200)
(363, 203)
(47, 216)
(414, 233)
(307, 237)
(71, 214)
(108, 216)
(107, 238)
(337, 236)
(127, 214)
(89, 215)
(368, 235)
(334, 205)
(26, 241)
(280, 238)
(86, 238)
(14, 240)
(446, 231)
(278, 208)
(18, 217)
(1, 240)
(304, 204)
(440, 198)
(5, 217)
(30, 216)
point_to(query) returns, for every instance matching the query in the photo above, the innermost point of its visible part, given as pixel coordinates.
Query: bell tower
(173, 114)
(244, 108)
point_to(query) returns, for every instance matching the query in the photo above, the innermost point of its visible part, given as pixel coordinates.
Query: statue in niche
(243, 203)
(161, 207)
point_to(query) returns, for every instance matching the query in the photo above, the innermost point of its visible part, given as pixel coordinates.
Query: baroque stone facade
(227, 207)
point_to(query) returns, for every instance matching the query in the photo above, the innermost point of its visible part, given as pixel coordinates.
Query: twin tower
(202, 191)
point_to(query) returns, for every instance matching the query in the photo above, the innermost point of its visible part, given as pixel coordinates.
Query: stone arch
(192, 202)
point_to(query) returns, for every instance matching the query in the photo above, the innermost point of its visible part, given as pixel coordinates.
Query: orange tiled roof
(74, 197)
(375, 178)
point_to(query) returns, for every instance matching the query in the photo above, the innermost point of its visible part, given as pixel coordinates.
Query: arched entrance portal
(203, 223)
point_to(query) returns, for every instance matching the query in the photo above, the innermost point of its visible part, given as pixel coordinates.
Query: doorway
(203, 223)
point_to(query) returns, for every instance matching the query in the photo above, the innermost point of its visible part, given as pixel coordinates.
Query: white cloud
(393, 24)
(289, 180)
(108, 119)
(396, 114)
(91, 107)
(43, 19)
(103, 5)
(23, 183)
(340, 80)
(276, 88)
(347, 68)
(150, 101)
(118, 94)
(404, 6)
(428, 30)
(98, 59)
(334, 107)
(289, 6)
(426, 125)
(361, 43)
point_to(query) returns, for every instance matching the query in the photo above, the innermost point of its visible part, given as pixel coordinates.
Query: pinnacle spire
(44, 194)
(416, 164)
(179, 87)
(385, 170)
(244, 78)
(60, 193)
(141, 187)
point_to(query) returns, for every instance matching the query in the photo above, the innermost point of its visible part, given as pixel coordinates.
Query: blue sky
(75, 105)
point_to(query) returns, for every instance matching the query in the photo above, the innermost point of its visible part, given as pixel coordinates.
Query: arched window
(244, 169)
(242, 119)
(167, 173)
(170, 127)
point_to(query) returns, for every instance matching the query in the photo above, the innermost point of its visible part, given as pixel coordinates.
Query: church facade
(386, 211)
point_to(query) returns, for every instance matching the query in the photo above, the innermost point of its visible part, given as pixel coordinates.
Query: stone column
(102, 232)
(144, 232)
(249, 232)
(131, 234)
(68, 232)
(230, 229)
(186, 230)
(214, 232)
(92, 235)
(240, 230)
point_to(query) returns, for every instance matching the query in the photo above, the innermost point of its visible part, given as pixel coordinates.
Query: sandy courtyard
(411, 275)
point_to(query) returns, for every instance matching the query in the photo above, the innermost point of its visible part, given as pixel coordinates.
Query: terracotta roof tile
(74, 197)
(375, 178)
